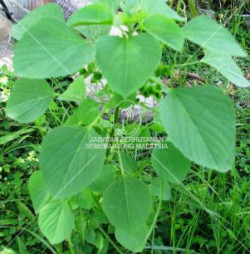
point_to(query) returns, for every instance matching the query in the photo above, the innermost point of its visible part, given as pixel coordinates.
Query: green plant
(86, 182)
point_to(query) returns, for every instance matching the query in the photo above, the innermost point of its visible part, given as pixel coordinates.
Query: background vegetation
(184, 225)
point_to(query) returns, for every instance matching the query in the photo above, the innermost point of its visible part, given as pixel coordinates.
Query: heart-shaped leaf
(170, 164)
(43, 11)
(56, 221)
(54, 50)
(127, 63)
(38, 191)
(75, 92)
(205, 32)
(200, 122)
(127, 203)
(160, 7)
(227, 67)
(67, 162)
(29, 99)
(165, 30)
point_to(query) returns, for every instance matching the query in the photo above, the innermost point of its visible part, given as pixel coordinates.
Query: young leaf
(227, 67)
(44, 11)
(112, 4)
(38, 191)
(56, 221)
(165, 192)
(205, 32)
(84, 199)
(128, 163)
(131, 61)
(91, 15)
(86, 114)
(104, 180)
(130, 6)
(170, 164)
(29, 99)
(165, 30)
(54, 50)
(135, 241)
(75, 92)
(160, 7)
(127, 204)
(92, 21)
(200, 122)
(68, 160)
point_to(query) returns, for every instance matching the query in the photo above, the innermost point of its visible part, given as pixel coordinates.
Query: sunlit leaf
(29, 99)
(200, 122)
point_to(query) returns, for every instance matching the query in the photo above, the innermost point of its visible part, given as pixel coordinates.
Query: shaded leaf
(75, 92)
(135, 241)
(127, 203)
(170, 164)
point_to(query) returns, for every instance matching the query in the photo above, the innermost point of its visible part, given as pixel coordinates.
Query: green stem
(103, 232)
(156, 213)
(71, 247)
(112, 133)
(121, 163)
(110, 240)
(186, 64)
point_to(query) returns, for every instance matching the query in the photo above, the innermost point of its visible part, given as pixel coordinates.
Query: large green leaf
(44, 11)
(205, 32)
(227, 67)
(75, 92)
(56, 221)
(135, 241)
(29, 99)
(38, 191)
(67, 161)
(170, 164)
(54, 50)
(160, 7)
(127, 63)
(200, 122)
(127, 204)
(165, 30)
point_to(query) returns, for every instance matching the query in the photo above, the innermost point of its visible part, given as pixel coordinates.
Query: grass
(208, 214)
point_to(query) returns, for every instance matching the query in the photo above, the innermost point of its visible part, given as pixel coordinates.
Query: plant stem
(103, 232)
(110, 240)
(186, 64)
(112, 133)
(156, 214)
(71, 247)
